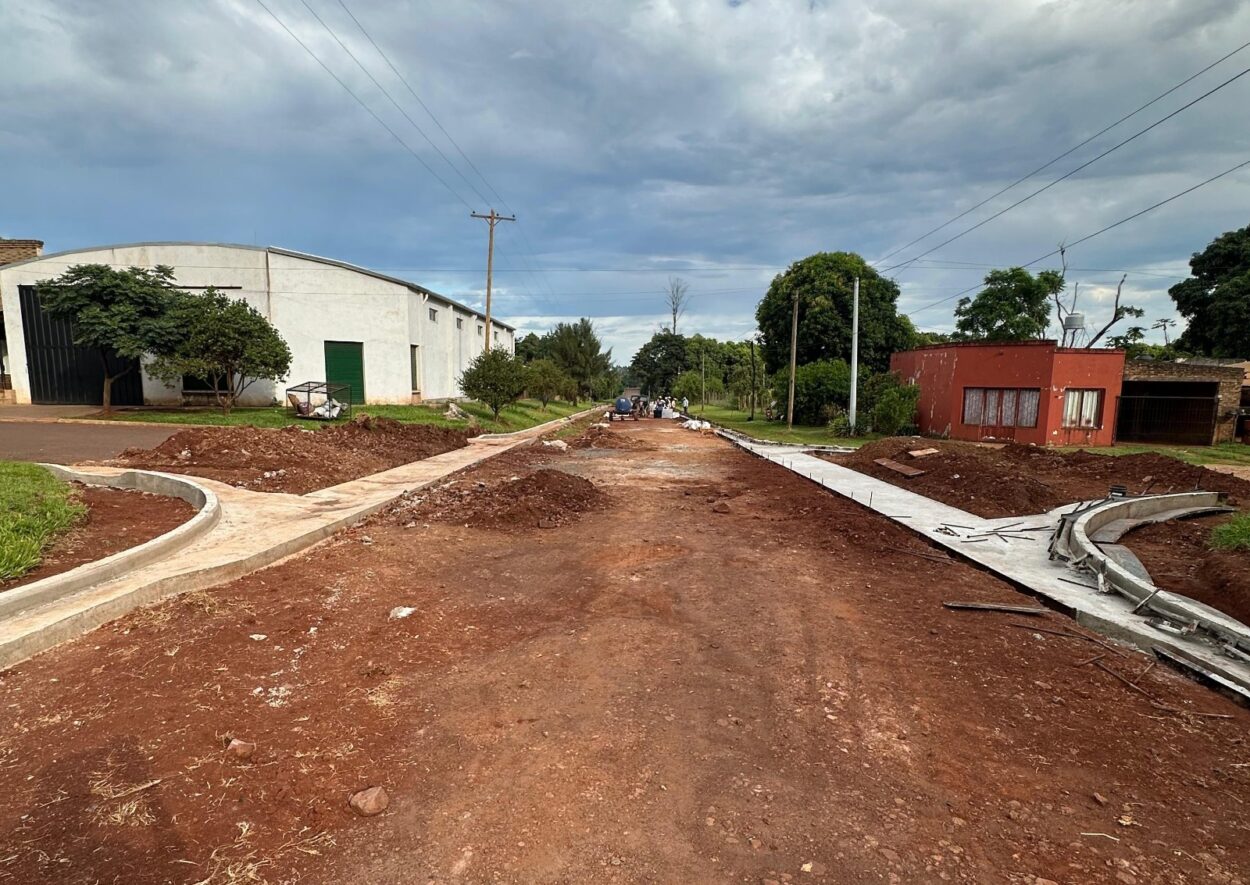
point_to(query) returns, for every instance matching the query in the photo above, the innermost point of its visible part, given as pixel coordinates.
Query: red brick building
(1030, 392)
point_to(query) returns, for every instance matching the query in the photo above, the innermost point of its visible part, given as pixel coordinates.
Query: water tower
(1073, 329)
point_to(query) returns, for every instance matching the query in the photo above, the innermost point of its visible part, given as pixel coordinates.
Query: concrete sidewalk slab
(1023, 561)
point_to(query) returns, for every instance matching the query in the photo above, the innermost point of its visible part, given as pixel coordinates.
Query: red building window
(1082, 408)
(1001, 406)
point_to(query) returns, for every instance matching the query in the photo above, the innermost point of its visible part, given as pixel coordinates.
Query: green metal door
(345, 364)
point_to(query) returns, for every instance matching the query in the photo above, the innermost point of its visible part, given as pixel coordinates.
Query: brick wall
(19, 250)
(1229, 378)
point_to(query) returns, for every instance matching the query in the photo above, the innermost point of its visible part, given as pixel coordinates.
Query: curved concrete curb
(1144, 593)
(92, 573)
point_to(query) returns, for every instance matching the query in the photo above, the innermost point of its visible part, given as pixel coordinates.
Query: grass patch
(1236, 454)
(1233, 535)
(518, 416)
(35, 507)
(776, 431)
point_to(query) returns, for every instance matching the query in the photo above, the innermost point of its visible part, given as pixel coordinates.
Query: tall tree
(576, 348)
(658, 362)
(225, 341)
(823, 285)
(677, 296)
(531, 348)
(1216, 298)
(118, 313)
(1013, 306)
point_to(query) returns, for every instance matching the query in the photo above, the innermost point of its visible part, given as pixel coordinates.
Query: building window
(1082, 408)
(479, 330)
(433, 315)
(459, 322)
(1001, 406)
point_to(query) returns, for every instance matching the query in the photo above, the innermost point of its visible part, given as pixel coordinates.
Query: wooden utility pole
(794, 352)
(492, 219)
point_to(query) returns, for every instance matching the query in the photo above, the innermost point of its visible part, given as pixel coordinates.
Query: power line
(413, 92)
(391, 98)
(1066, 153)
(368, 109)
(1072, 172)
(1087, 237)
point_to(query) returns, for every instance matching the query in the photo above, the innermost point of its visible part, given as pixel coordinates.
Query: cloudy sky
(717, 140)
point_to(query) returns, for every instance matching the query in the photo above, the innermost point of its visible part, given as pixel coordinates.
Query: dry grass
(239, 862)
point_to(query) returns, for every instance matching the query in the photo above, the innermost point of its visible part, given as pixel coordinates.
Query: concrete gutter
(1076, 540)
(91, 573)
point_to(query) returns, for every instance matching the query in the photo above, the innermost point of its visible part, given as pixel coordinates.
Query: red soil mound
(295, 459)
(542, 499)
(1018, 480)
(597, 437)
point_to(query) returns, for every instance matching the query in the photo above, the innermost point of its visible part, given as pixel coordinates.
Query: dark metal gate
(1181, 420)
(60, 371)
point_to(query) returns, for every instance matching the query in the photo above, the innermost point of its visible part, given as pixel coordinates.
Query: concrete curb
(1144, 593)
(111, 567)
(536, 430)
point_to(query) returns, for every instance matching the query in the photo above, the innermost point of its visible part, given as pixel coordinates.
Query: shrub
(495, 378)
(895, 409)
(817, 386)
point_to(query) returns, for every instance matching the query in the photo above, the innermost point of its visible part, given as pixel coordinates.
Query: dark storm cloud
(629, 137)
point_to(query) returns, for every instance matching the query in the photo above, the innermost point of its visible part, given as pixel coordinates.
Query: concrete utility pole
(752, 418)
(703, 369)
(854, 352)
(794, 352)
(492, 219)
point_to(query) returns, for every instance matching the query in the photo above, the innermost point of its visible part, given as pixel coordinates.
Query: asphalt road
(70, 443)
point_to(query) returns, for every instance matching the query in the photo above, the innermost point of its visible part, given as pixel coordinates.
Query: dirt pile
(597, 436)
(1178, 557)
(1017, 480)
(295, 459)
(544, 498)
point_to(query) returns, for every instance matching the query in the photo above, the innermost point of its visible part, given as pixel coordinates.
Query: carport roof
(307, 256)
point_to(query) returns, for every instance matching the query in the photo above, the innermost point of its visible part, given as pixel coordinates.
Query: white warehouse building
(391, 340)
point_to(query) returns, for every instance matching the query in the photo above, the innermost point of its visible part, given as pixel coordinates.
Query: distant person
(685, 404)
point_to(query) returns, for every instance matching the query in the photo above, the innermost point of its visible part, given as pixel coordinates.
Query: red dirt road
(651, 691)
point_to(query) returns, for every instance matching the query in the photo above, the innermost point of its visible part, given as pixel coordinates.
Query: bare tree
(678, 298)
(1118, 312)
(1165, 323)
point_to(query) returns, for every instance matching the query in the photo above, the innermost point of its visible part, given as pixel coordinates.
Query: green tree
(1216, 298)
(225, 341)
(124, 314)
(823, 284)
(657, 363)
(1013, 306)
(607, 385)
(531, 348)
(576, 348)
(819, 388)
(495, 378)
(691, 385)
(544, 381)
